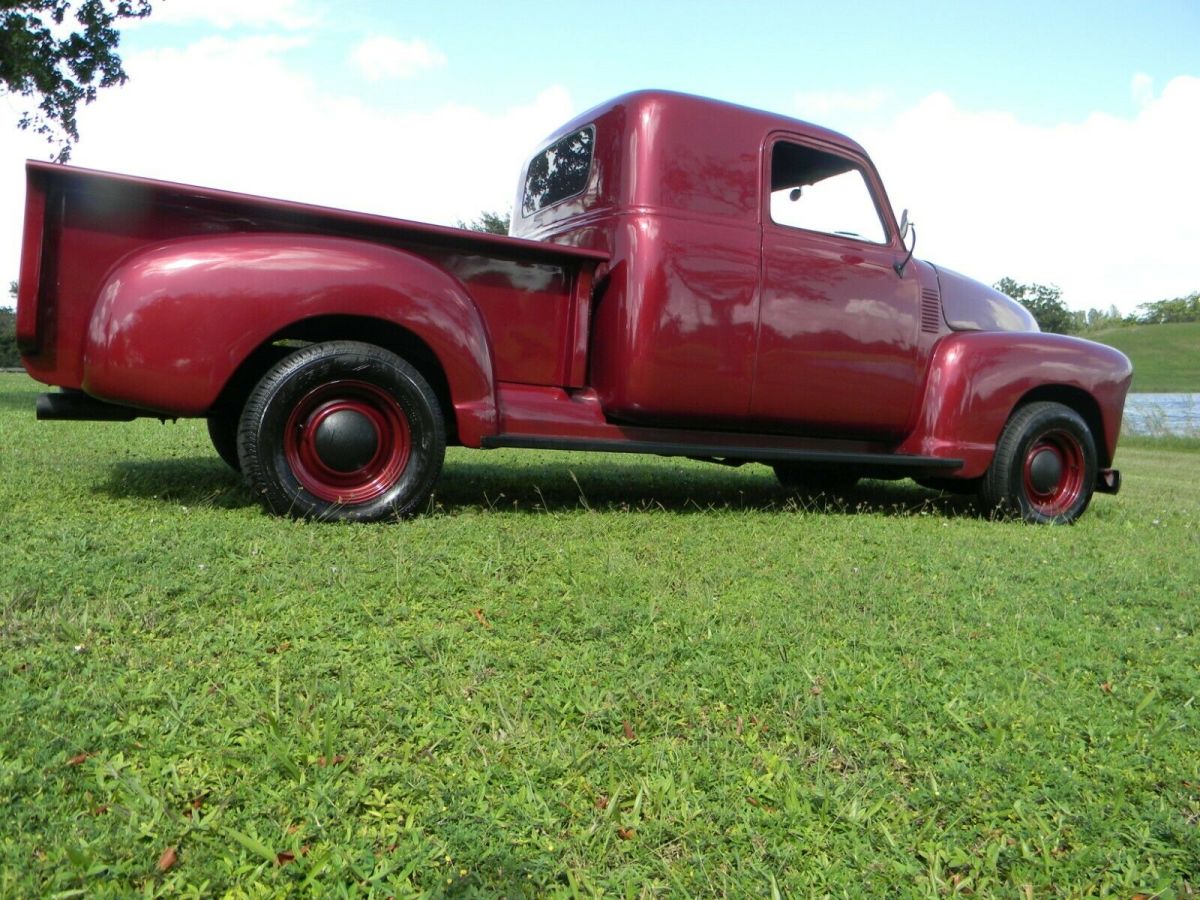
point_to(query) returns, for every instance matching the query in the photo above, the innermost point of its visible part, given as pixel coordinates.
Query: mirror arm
(899, 267)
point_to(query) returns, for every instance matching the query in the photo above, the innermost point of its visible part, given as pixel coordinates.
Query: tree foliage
(8, 332)
(1160, 312)
(1096, 319)
(1043, 301)
(489, 222)
(9, 356)
(63, 65)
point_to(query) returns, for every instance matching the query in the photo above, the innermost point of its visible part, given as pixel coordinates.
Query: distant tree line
(1045, 303)
(1181, 309)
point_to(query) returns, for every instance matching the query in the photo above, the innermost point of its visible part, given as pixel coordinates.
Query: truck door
(838, 328)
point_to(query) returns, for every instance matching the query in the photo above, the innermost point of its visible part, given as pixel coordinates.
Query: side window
(558, 172)
(820, 191)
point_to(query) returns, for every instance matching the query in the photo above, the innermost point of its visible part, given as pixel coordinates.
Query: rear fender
(173, 323)
(977, 379)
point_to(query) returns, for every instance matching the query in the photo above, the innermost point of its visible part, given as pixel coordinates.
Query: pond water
(1162, 414)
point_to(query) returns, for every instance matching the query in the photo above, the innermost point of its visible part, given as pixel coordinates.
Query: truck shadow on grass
(684, 487)
(558, 486)
(187, 481)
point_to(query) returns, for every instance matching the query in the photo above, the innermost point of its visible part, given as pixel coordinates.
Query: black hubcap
(1045, 471)
(346, 440)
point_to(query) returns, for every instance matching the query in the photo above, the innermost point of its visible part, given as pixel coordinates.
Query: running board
(896, 464)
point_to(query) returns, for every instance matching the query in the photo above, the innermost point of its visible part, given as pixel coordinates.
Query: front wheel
(342, 431)
(1045, 466)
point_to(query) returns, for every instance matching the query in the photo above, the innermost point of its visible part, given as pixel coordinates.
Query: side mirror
(903, 226)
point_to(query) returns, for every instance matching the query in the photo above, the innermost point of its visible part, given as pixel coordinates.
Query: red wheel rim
(370, 408)
(1054, 473)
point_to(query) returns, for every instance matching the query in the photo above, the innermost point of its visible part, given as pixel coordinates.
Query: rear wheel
(1045, 465)
(343, 431)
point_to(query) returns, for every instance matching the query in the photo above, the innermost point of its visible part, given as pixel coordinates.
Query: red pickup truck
(683, 277)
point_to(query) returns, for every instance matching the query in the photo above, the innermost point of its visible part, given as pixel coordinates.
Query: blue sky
(1050, 61)
(1048, 142)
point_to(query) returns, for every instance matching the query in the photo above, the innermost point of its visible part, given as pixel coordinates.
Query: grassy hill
(1166, 358)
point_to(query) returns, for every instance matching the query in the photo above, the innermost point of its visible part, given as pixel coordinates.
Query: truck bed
(523, 288)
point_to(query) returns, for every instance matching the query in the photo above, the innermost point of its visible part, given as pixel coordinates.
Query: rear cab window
(820, 191)
(558, 172)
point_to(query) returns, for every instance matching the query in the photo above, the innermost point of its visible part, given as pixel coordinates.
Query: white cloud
(1142, 89)
(228, 14)
(232, 114)
(1105, 208)
(385, 57)
(820, 105)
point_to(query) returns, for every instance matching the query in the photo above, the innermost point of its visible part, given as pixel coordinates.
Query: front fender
(976, 380)
(173, 323)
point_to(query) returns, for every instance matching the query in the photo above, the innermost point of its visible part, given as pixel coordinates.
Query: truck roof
(719, 115)
(663, 150)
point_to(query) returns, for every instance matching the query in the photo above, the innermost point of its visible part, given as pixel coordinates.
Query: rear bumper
(1108, 481)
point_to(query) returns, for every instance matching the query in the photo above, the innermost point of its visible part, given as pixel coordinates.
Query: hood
(969, 305)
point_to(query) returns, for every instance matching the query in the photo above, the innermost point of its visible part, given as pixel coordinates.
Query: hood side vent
(931, 312)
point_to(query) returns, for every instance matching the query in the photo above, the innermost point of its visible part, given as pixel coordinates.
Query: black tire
(814, 479)
(342, 431)
(1045, 466)
(223, 432)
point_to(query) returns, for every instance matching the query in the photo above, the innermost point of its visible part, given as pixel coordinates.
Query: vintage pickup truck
(683, 277)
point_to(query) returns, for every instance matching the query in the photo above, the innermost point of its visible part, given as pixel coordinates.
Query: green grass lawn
(1166, 358)
(583, 674)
